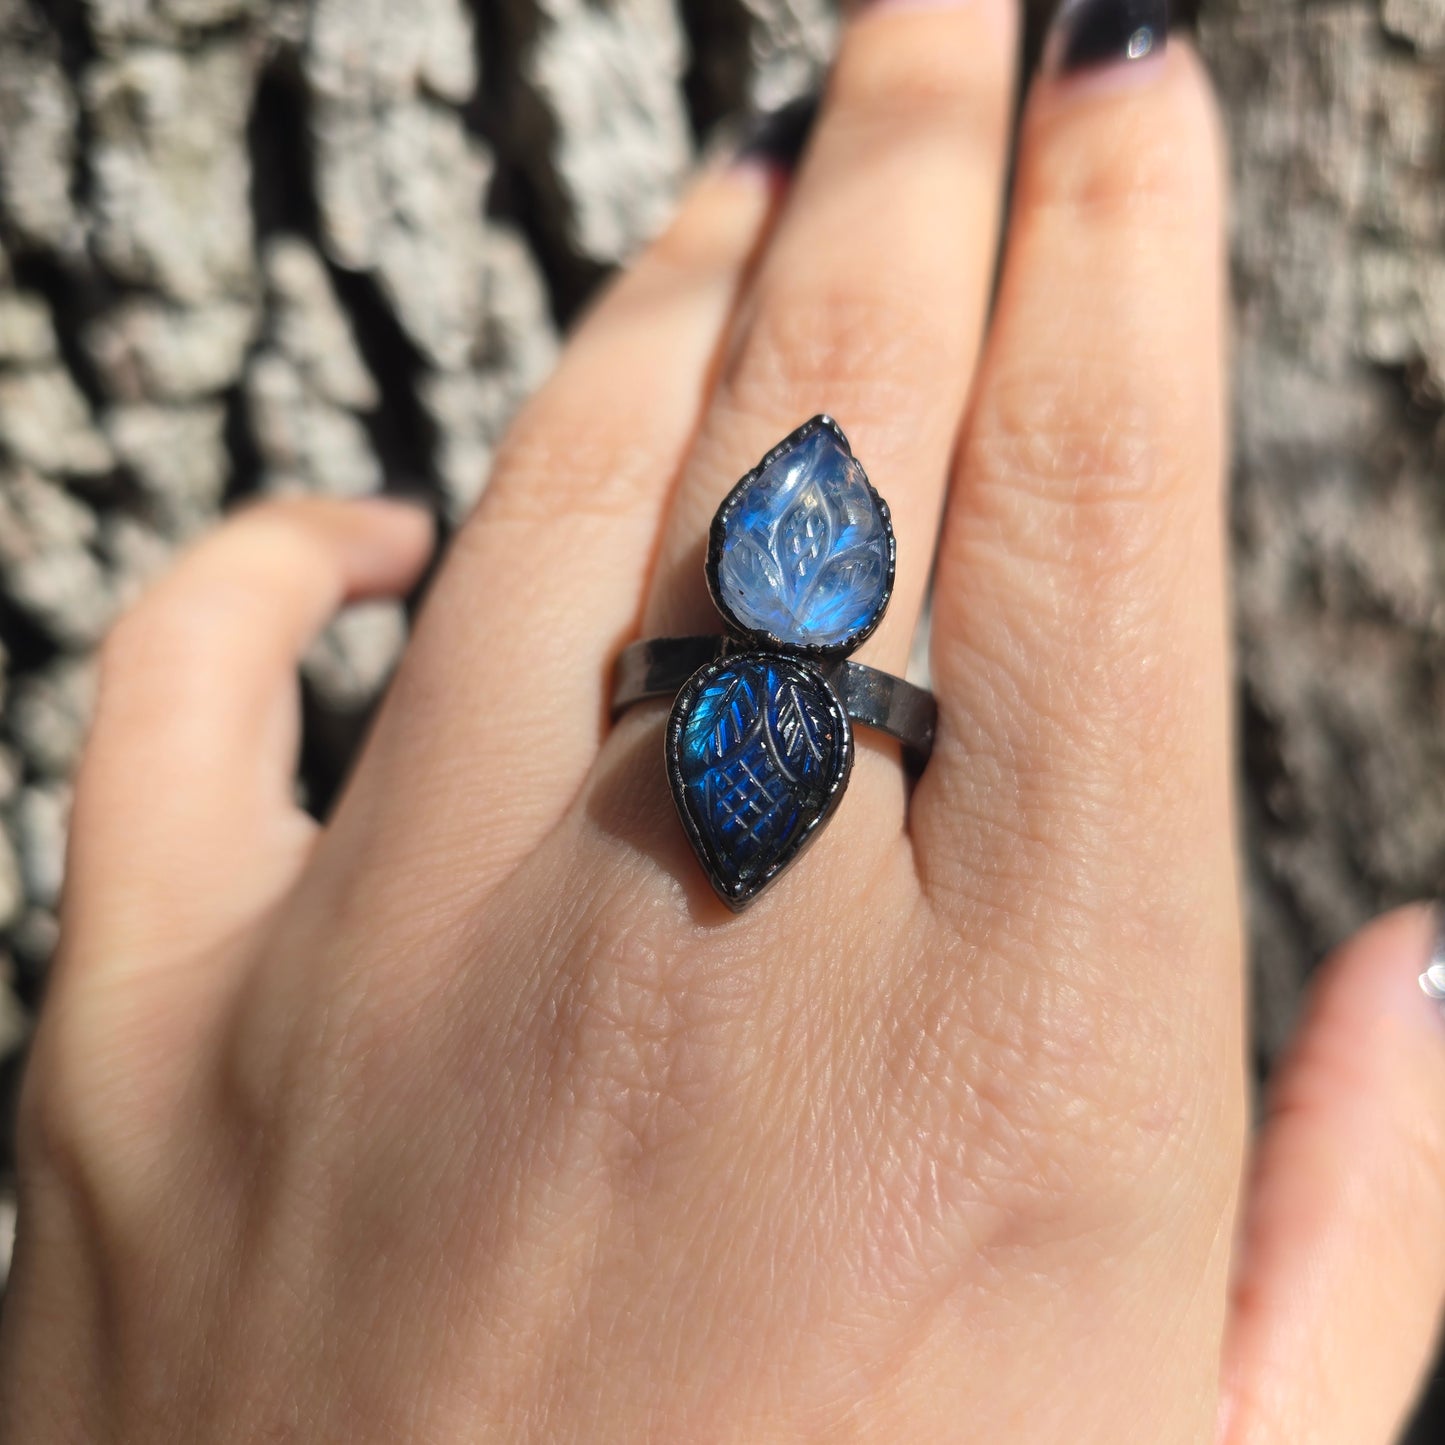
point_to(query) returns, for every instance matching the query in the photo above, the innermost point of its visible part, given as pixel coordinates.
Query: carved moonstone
(802, 550)
(758, 750)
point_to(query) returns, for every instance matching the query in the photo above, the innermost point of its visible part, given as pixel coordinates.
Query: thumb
(1340, 1271)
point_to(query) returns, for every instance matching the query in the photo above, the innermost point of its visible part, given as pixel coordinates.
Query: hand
(474, 1116)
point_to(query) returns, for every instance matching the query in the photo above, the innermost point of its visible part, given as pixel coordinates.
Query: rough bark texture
(327, 245)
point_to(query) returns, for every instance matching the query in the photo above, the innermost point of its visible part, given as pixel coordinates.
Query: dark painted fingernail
(1093, 34)
(1432, 981)
(779, 137)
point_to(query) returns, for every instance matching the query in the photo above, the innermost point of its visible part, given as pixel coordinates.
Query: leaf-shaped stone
(802, 550)
(758, 753)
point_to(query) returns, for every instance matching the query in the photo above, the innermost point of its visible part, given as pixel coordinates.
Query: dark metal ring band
(659, 666)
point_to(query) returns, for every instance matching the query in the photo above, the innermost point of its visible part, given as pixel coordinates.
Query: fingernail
(1432, 981)
(1095, 34)
(777, 138)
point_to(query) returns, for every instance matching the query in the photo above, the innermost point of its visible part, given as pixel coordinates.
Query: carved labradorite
(758, 750)
(802, 549)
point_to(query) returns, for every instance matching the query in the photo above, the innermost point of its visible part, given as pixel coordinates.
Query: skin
(474, 1116)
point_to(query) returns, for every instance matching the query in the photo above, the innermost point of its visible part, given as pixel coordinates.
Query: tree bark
(328, 245)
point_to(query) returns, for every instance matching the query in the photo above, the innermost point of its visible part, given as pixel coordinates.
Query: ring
(759, 743)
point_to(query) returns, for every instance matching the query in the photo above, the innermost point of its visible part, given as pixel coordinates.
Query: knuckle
(283, 537)
(863, 348)
(102, 1147)
(157, 631)
(707, 240)
(591, 468)
(1093, 522)
(902, 76)
(1138, 184)
(1144, 1108)
(1061, 436)
(251, 1075)
(180, 616)
(1066, 1101)
(46, 1139)
(288, 518)
(640, 1044)
(1101, 529)
(63, 1125)
(1118, 170)
(173, 639)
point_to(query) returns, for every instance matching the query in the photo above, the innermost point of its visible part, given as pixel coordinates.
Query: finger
(1340, 1274)
(503, 697)
(183, 807)
(1079, 647)
(870, 301)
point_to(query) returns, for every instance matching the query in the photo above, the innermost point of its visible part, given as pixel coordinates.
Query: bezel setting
(763, 771)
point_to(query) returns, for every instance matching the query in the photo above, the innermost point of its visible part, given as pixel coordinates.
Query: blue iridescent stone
(759, 749)
(802, 549)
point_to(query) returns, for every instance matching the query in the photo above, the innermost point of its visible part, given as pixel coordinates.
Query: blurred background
(329, 245)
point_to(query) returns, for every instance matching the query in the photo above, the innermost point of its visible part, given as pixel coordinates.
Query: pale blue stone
(806, 552)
